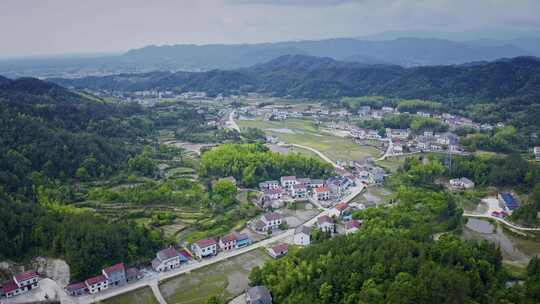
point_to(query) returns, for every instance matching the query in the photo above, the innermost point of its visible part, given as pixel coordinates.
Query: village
(329, 200)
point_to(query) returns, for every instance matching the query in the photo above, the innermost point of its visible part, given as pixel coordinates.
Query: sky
(48, 27)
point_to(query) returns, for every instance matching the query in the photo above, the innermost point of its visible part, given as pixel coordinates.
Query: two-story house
(326, 224)
(272, 220)
(302, 235)
(272, 184)
(299, 191)
(321, 194)
(116, 274)
(204, 248)
(234, 240)
(21, 283)
(288, 181)
(167, 259)
(96, 284)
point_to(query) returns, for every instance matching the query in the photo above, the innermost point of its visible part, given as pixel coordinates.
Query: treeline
(254, 163)
(402, 105)
(504, 140)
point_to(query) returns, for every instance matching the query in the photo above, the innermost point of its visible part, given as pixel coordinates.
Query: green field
(139, 296)
(392, 163)
(227, 279)
(305, 132)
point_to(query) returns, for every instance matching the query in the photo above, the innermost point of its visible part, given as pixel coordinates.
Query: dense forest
(254, 163)
(50, 139)
(396, 259)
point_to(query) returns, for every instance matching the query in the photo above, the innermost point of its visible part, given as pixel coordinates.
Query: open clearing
(140, 296)
(227, 279)
(306, 133)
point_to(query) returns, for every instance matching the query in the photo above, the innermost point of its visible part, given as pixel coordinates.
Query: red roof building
(115, 268)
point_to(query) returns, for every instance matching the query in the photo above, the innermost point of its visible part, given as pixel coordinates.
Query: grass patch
(226, 279)
(305, 132)
(139, 296)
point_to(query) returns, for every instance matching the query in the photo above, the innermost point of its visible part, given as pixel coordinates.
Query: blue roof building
(506, 199)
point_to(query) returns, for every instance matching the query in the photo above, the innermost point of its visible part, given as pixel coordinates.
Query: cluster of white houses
(210, 247)
(19, 284)
(327, 223)
(115, 275)
(291, 187)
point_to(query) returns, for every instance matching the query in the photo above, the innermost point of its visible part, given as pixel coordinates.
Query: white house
(321, 194)
(272, 184)
(204, 248)
(288, 181)
(97, 284)
(302, 236)
(536, 151)
(316, 183)
(278, 250)
(299, 191)
(21, 283)
(166, 259)
(325, 223)
(273, 194)
(269, 221)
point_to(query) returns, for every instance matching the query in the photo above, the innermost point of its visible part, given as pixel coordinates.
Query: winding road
(501, 220)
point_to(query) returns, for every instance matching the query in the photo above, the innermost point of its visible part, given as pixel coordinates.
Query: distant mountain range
(407, 52)
(315, 77)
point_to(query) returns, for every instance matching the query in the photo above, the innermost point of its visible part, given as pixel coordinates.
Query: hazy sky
(36, 27)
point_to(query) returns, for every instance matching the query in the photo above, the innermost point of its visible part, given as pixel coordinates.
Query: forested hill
(50, 140)
(313, 77)
(48, 129)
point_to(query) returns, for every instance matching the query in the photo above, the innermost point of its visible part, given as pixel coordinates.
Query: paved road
(231, 123)
(505, 222)
(388, 151)
(319, 153)
(154, 280)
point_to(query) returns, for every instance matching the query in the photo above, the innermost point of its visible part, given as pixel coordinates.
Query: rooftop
(167, 253)
(303, 229)
(321, 189)
(272, 216)
(75, 286)
(280, 247)
(114, 268)
(342, 206)
(288, 178)
(353, 224)
(206, 243)
(9, 286)
(96, 280)
(324, 219)
(23, 276)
